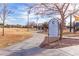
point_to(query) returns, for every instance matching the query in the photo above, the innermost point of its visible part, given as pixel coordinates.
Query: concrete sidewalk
(31, 47)
(71, 37)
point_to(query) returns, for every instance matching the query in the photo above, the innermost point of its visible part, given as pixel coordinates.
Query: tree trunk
(61, 26)
(3, 29)
(4, 17)
(61, 31)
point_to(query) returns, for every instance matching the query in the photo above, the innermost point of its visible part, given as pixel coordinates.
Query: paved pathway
(31, 47)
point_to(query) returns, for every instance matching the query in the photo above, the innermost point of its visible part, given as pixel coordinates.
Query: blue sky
(18, 14)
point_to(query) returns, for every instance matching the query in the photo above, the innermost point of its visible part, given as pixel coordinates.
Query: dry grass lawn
(13, 35)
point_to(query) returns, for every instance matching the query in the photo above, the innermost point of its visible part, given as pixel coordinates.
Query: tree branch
(58, 8)
(47, 6)
(63, 6)
(66, 8)
(72, 13)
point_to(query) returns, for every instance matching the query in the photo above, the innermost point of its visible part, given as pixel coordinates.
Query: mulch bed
(65, 42)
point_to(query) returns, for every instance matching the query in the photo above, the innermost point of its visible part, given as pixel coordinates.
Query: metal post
(37, 21)
(28, 20)
(74, 27)
(70, 23)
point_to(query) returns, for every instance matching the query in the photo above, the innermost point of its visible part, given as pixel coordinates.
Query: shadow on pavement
(28, 52)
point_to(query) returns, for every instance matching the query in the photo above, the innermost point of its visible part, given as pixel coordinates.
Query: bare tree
(3, 15)
(39, 11)
(62, 14)
(60, 8)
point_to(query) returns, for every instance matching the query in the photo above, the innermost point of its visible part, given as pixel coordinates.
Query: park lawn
(13, 35)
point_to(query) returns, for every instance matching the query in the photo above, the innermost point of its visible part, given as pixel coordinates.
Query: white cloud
(10, 18)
